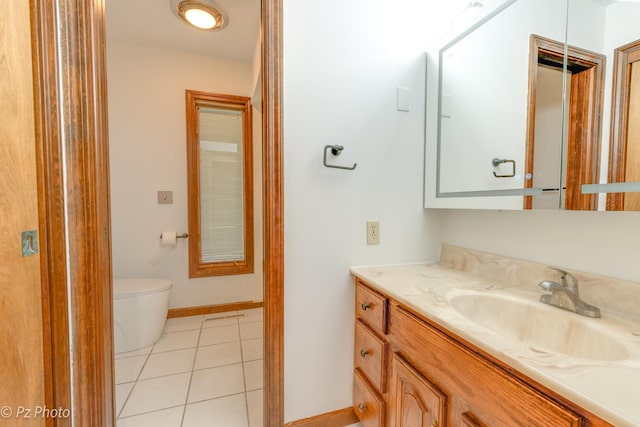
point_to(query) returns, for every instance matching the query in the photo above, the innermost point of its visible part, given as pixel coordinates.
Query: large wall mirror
(535, 104)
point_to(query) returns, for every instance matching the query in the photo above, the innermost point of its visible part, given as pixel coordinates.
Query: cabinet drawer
(370, 355)
(371, 307)
(367, 403)
(483, 391)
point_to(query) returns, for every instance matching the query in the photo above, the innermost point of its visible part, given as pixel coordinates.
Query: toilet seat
(127, 288)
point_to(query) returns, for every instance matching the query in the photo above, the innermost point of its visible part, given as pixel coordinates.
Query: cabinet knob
(364, 352)
(362, 407)
(434, 423)
(366, 307)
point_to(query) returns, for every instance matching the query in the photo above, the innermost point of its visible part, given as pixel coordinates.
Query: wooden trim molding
(584, 116)
(212, 309)
(339, 418)
(624, 56)
(273, 207)
(73, 186)
(195, 100)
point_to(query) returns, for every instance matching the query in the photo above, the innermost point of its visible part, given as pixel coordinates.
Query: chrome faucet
(565, 295)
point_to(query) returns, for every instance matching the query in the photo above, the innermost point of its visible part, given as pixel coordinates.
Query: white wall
(604, 243)
(148, 153)
(342, 64)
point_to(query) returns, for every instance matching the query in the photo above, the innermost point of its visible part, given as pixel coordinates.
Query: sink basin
(543, 328)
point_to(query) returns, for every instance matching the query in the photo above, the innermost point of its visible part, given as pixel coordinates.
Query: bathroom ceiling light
(200, 14)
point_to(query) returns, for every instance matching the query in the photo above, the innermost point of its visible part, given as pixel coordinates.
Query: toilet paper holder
(179, 236)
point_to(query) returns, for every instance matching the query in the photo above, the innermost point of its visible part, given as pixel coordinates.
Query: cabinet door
(489, 394)
(415, 401)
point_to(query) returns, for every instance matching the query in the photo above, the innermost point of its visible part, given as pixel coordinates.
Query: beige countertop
(607, 388)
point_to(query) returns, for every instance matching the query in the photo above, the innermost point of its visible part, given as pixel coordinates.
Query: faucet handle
(566, 278)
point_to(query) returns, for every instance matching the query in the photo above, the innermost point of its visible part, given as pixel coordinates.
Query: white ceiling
(153, 23)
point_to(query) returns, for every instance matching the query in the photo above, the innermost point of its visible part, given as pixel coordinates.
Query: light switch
(165, 197)
(446, 107)
(404, 100)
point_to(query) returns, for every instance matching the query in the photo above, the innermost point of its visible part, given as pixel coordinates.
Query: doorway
(624, 154)
(71, 131)
(580, 122)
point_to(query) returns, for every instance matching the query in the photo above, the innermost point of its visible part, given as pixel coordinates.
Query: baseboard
(339, 418)
(209, 309)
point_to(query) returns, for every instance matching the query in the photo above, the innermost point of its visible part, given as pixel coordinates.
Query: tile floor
(203, 371)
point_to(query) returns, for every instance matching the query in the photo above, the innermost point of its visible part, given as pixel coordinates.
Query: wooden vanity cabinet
(370, 357)
(428, 377)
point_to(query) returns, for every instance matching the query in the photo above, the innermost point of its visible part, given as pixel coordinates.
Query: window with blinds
(220, 184)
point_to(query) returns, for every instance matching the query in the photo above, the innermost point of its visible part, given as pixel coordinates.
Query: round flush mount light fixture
(199, 14)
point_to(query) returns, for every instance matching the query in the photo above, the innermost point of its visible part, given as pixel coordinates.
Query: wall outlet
(373, 232)
(165, 197)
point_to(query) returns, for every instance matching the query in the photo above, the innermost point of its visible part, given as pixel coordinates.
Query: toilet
(139, 312)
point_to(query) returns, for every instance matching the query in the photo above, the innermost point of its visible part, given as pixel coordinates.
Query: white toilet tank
(139, 312)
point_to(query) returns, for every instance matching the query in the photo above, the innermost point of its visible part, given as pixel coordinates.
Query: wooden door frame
(70, 91)
(584, 115)
(623, 56)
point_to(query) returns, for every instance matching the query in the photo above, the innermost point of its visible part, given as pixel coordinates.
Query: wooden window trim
(194, 100)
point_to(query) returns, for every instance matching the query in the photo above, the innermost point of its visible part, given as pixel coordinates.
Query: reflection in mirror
(561, 162)
(482, 104)
(479, 108)
(624, 159)
(604, 26)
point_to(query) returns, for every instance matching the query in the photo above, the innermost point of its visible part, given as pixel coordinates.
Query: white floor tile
(252, 315)
(171, 417)
(252, 349)
(253, 374)
(157, 393)
(183, 323)
(254, 404)
(122, 393)
(216, 382)
(128, 369)
(169, 362)
(230, 411)
(219, 335)
(216, 320)
(218, 355)
(176, 341)
(251, 330)
(141, 352)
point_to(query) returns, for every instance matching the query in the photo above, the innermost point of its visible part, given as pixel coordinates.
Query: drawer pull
(362, 407)
(367, 306)
(363, 353)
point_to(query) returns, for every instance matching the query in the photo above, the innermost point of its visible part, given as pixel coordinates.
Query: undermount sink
(542, 327)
